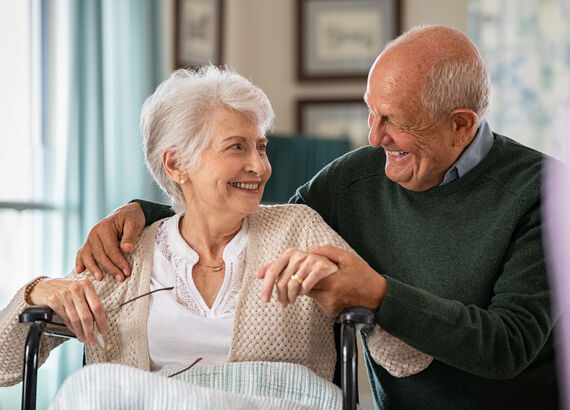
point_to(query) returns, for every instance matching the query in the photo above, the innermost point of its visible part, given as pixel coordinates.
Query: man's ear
(463, 124)
(172, 165)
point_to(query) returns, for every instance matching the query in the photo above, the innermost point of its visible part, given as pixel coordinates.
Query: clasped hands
(335, 278)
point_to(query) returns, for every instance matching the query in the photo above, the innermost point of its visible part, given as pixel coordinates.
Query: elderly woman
(205, 146)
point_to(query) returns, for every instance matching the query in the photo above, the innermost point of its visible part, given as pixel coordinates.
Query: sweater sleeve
(13, 338)
(154, 211)
(498, 341)
(13, 333)
(397, 357)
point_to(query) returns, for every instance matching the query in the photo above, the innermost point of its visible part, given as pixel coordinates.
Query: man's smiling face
(419, 150)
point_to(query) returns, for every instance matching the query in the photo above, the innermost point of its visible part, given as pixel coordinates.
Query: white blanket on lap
(245, 385)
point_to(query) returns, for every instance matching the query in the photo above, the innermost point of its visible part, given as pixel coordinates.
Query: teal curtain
(526, 44)
(116, 62)
(113, 53)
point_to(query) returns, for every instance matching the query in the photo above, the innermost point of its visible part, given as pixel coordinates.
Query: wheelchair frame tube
(31, 365)
(349, 373)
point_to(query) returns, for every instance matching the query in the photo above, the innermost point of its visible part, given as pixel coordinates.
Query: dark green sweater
(466, 276)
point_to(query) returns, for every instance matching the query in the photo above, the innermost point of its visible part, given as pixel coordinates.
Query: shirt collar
(473, 154)
(178, 245)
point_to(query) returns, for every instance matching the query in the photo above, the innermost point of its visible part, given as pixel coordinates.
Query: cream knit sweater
(302, 333)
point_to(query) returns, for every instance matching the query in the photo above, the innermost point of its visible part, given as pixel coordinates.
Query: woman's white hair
(179, 116)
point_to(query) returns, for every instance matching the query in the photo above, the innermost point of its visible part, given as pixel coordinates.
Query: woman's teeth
(244, 186)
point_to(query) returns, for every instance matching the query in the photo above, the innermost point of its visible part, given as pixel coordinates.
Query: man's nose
(378, 136)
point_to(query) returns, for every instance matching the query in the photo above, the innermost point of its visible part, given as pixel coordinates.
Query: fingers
(107, 254)
(320, 269)
(333, 253)
(101, 249)
(260, 273)
(287, 288)
(308, 273)
(96, 307)
(294, 273)
(94, 253)
(84, 260)
(271, 274)
(79, 266)
(131, 232)
(76, 302)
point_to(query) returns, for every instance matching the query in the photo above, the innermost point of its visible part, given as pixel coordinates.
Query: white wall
(259, 42)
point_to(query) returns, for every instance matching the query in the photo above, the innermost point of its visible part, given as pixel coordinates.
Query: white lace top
(181, 315)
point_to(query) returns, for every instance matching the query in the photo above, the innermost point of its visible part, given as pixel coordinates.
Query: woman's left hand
(294, 273)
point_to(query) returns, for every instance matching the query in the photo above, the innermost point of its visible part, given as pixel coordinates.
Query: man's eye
(236, 146)
(262, 148)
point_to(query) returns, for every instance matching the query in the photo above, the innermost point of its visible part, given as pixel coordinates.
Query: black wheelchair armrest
(348, 320)
(40, 320)
(44, 314)
(34, 313)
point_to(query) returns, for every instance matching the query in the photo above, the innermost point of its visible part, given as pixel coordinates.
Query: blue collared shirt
(473, 154)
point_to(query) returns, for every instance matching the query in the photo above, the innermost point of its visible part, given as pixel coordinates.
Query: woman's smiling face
(233, 168)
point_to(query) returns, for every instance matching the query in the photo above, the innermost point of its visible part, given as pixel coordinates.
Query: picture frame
(198, 32)
(340, 39)
(334, 118)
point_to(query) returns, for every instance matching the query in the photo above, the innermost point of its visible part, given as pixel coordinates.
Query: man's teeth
(397, 153)
(244, 186)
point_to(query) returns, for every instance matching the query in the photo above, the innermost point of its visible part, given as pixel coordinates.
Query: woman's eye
(263, 148)
(236, 146)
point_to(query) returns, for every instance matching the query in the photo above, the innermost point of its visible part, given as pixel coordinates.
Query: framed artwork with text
(339, 39)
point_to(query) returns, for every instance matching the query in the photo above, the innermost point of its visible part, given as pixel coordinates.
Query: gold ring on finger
(297, 278)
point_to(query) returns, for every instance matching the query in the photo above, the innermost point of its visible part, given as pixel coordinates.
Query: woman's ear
(463, 123)
(172, 166)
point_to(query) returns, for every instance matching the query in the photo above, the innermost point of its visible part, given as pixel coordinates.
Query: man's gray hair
(180, 114)
(457, 82)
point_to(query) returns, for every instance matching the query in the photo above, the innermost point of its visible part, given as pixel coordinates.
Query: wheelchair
(40, 321)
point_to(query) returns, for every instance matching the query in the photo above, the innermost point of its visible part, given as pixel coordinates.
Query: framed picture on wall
(339, 39)
(198, 32)
(334, 118)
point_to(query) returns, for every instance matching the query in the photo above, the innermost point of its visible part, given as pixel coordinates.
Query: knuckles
(86, 317)
(52, 300)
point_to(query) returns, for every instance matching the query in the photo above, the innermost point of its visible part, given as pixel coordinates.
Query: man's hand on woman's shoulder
(101, 249)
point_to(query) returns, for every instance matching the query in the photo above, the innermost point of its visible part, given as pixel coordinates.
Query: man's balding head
(443, 66)
(427, 93)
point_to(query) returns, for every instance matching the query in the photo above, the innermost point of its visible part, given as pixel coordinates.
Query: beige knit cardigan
(302, 333)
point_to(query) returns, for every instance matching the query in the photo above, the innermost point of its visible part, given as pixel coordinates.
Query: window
(26, 211)
(30, 219)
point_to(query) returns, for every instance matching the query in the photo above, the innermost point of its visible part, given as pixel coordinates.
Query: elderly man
(445, 215)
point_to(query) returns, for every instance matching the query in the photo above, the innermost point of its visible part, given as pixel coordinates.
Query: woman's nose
(256, 164)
